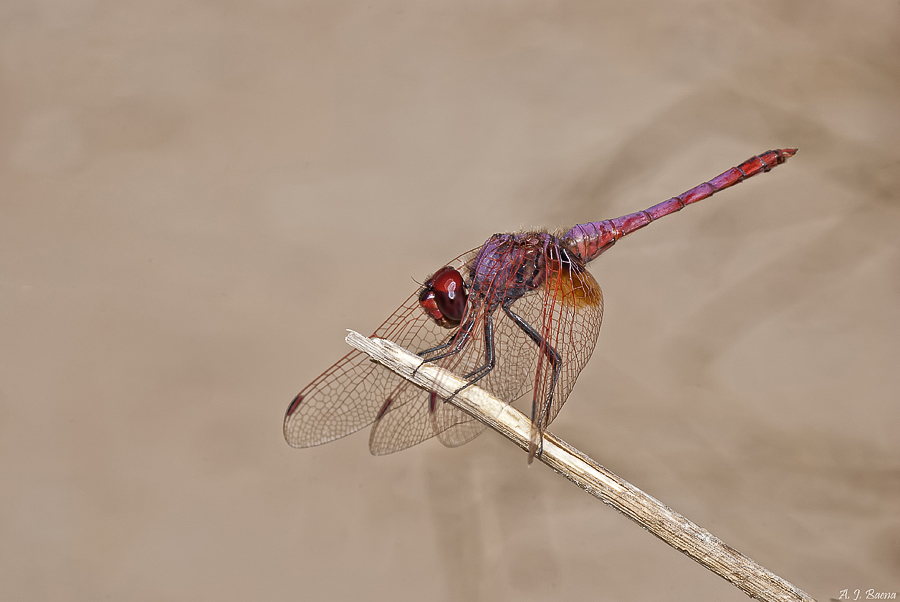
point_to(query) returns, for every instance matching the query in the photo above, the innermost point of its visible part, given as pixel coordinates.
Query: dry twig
(657, 518)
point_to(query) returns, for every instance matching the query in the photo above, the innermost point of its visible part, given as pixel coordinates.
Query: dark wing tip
(295, 403)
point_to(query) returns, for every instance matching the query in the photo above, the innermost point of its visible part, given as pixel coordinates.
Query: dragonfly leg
(538, 416)
(456, 343)
(440, 347)
(489, 358)
(482, 371)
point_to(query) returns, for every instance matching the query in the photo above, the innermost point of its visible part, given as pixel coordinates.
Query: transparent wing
(411, 423)
(406, 424)
(352, 393)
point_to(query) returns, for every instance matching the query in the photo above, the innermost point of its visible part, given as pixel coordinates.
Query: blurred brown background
(199, 197)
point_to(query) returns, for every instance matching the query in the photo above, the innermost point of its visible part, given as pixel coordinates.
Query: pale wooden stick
(674, 529)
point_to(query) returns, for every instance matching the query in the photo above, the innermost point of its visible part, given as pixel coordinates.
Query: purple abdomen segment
(590, 240)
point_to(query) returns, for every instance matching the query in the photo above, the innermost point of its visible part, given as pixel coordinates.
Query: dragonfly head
(443, 297)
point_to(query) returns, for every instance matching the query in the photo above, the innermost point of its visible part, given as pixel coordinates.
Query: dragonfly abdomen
(587, 241)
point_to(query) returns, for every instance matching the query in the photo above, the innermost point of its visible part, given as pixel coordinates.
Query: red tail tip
(789, 152)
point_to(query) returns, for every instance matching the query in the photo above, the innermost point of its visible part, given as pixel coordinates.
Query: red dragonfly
(519, 313)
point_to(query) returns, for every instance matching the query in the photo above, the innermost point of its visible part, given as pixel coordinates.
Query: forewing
(355, 391)
(349, 395)
(404, 424)
(410, 420)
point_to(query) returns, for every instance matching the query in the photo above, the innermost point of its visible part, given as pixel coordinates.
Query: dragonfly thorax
(512, 265)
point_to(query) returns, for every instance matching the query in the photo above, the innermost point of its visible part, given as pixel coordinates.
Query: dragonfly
(518, 314)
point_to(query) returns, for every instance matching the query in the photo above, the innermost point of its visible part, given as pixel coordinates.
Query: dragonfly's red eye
(444, 297)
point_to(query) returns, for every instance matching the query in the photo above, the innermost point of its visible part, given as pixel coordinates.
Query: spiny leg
(489, 358)
(456, 343)
(482, 371)
(440, 347)
(548, 350)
